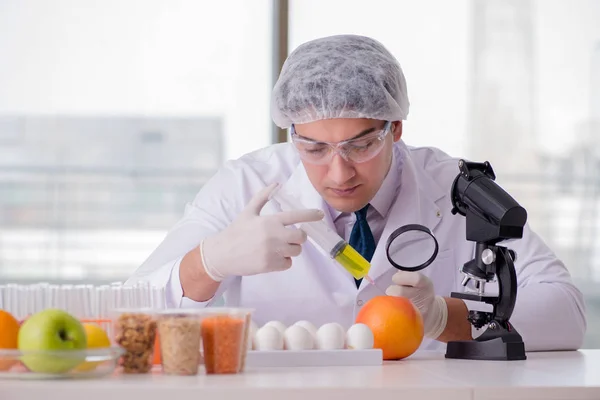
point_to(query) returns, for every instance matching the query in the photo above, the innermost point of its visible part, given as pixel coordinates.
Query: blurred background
(114, 113)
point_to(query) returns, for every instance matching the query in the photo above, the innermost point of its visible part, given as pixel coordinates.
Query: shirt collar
(387, 192)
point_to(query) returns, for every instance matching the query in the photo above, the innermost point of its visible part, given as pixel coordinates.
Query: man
(344, 99)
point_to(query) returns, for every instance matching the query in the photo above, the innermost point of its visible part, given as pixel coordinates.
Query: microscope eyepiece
(496, 216)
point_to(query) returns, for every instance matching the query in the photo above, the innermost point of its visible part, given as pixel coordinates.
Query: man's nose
(340, 170)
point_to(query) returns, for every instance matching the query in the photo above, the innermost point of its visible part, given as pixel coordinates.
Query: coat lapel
(300, 186)
(416, 203)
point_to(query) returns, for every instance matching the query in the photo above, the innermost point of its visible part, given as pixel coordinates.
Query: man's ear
(397, 131)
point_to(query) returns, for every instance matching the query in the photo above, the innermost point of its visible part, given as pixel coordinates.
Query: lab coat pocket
(443, 272)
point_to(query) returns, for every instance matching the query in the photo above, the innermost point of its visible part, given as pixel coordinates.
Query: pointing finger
(296, 216)
(259, 200)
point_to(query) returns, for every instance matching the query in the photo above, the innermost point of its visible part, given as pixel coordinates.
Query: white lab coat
(549, 312)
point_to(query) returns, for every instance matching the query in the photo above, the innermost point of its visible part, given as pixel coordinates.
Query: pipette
(334, 245)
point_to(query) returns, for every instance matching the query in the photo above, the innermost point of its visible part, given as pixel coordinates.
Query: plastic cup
(179, 335)
(248, 322)
(135, 331)
(224, 339)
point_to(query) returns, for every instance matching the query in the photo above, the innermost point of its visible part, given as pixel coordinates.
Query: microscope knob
(479, 318)
(488, 256)
(513, 255)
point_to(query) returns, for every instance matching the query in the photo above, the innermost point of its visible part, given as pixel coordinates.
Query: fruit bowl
(59, 364)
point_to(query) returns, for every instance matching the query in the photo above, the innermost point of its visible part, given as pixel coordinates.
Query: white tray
(314, 358)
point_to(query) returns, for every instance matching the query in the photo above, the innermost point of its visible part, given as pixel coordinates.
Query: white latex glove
(419, 289)
(255, 244)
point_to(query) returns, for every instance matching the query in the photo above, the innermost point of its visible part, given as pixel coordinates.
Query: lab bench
(423, 376)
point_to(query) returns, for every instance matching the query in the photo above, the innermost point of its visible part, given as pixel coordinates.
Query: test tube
(115, 298)
(326, 238)
(102, 299)
(10, 299)
(127, 297)
(92, 291)
(39, 297)
(64, 298)
(102, 307)
(78, 301)
(157, 300)
(143, 294)
(51, 298)
(23, 302)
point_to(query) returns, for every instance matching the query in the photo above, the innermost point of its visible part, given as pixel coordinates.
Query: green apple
(46, 338)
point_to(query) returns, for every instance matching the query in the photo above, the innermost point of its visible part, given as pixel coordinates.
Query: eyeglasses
(358, 150)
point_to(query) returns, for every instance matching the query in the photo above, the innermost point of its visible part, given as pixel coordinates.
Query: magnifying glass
(411, 247)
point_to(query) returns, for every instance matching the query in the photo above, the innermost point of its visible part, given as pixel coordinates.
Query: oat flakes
(179, 337)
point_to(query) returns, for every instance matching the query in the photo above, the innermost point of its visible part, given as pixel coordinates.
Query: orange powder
(222, 341)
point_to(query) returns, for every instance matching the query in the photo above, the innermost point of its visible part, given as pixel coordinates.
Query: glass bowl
(59, 364)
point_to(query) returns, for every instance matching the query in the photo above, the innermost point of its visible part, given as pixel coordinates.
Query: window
(112, 115)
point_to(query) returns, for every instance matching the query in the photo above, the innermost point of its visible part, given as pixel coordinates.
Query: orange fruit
(9, 333)
(9, 330)
(397, 325)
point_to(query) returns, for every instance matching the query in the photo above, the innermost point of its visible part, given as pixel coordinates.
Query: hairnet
(344, 76)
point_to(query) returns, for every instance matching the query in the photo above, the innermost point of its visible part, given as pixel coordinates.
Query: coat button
(359, 303)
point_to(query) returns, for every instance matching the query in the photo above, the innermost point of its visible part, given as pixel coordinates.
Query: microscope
(492, 216)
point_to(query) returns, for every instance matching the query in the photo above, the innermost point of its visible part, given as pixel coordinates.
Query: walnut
(136, 333)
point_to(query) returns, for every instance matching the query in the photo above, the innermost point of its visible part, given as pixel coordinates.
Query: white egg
(331, 336)
(268, 338)
(251, 335)
(309, 327)
(277, 324)
(359, 337)
(298, 338)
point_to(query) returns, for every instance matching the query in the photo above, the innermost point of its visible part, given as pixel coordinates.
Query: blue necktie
(362, 238)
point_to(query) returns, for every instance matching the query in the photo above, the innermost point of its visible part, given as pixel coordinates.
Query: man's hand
(419, 289)
(255, 244)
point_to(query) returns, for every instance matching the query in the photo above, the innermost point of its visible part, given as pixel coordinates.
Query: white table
(548, 376)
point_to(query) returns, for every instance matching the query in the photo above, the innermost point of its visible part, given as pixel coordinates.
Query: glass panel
(112, 116)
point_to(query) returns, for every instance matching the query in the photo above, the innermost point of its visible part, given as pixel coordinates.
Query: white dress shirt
(378, 211)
